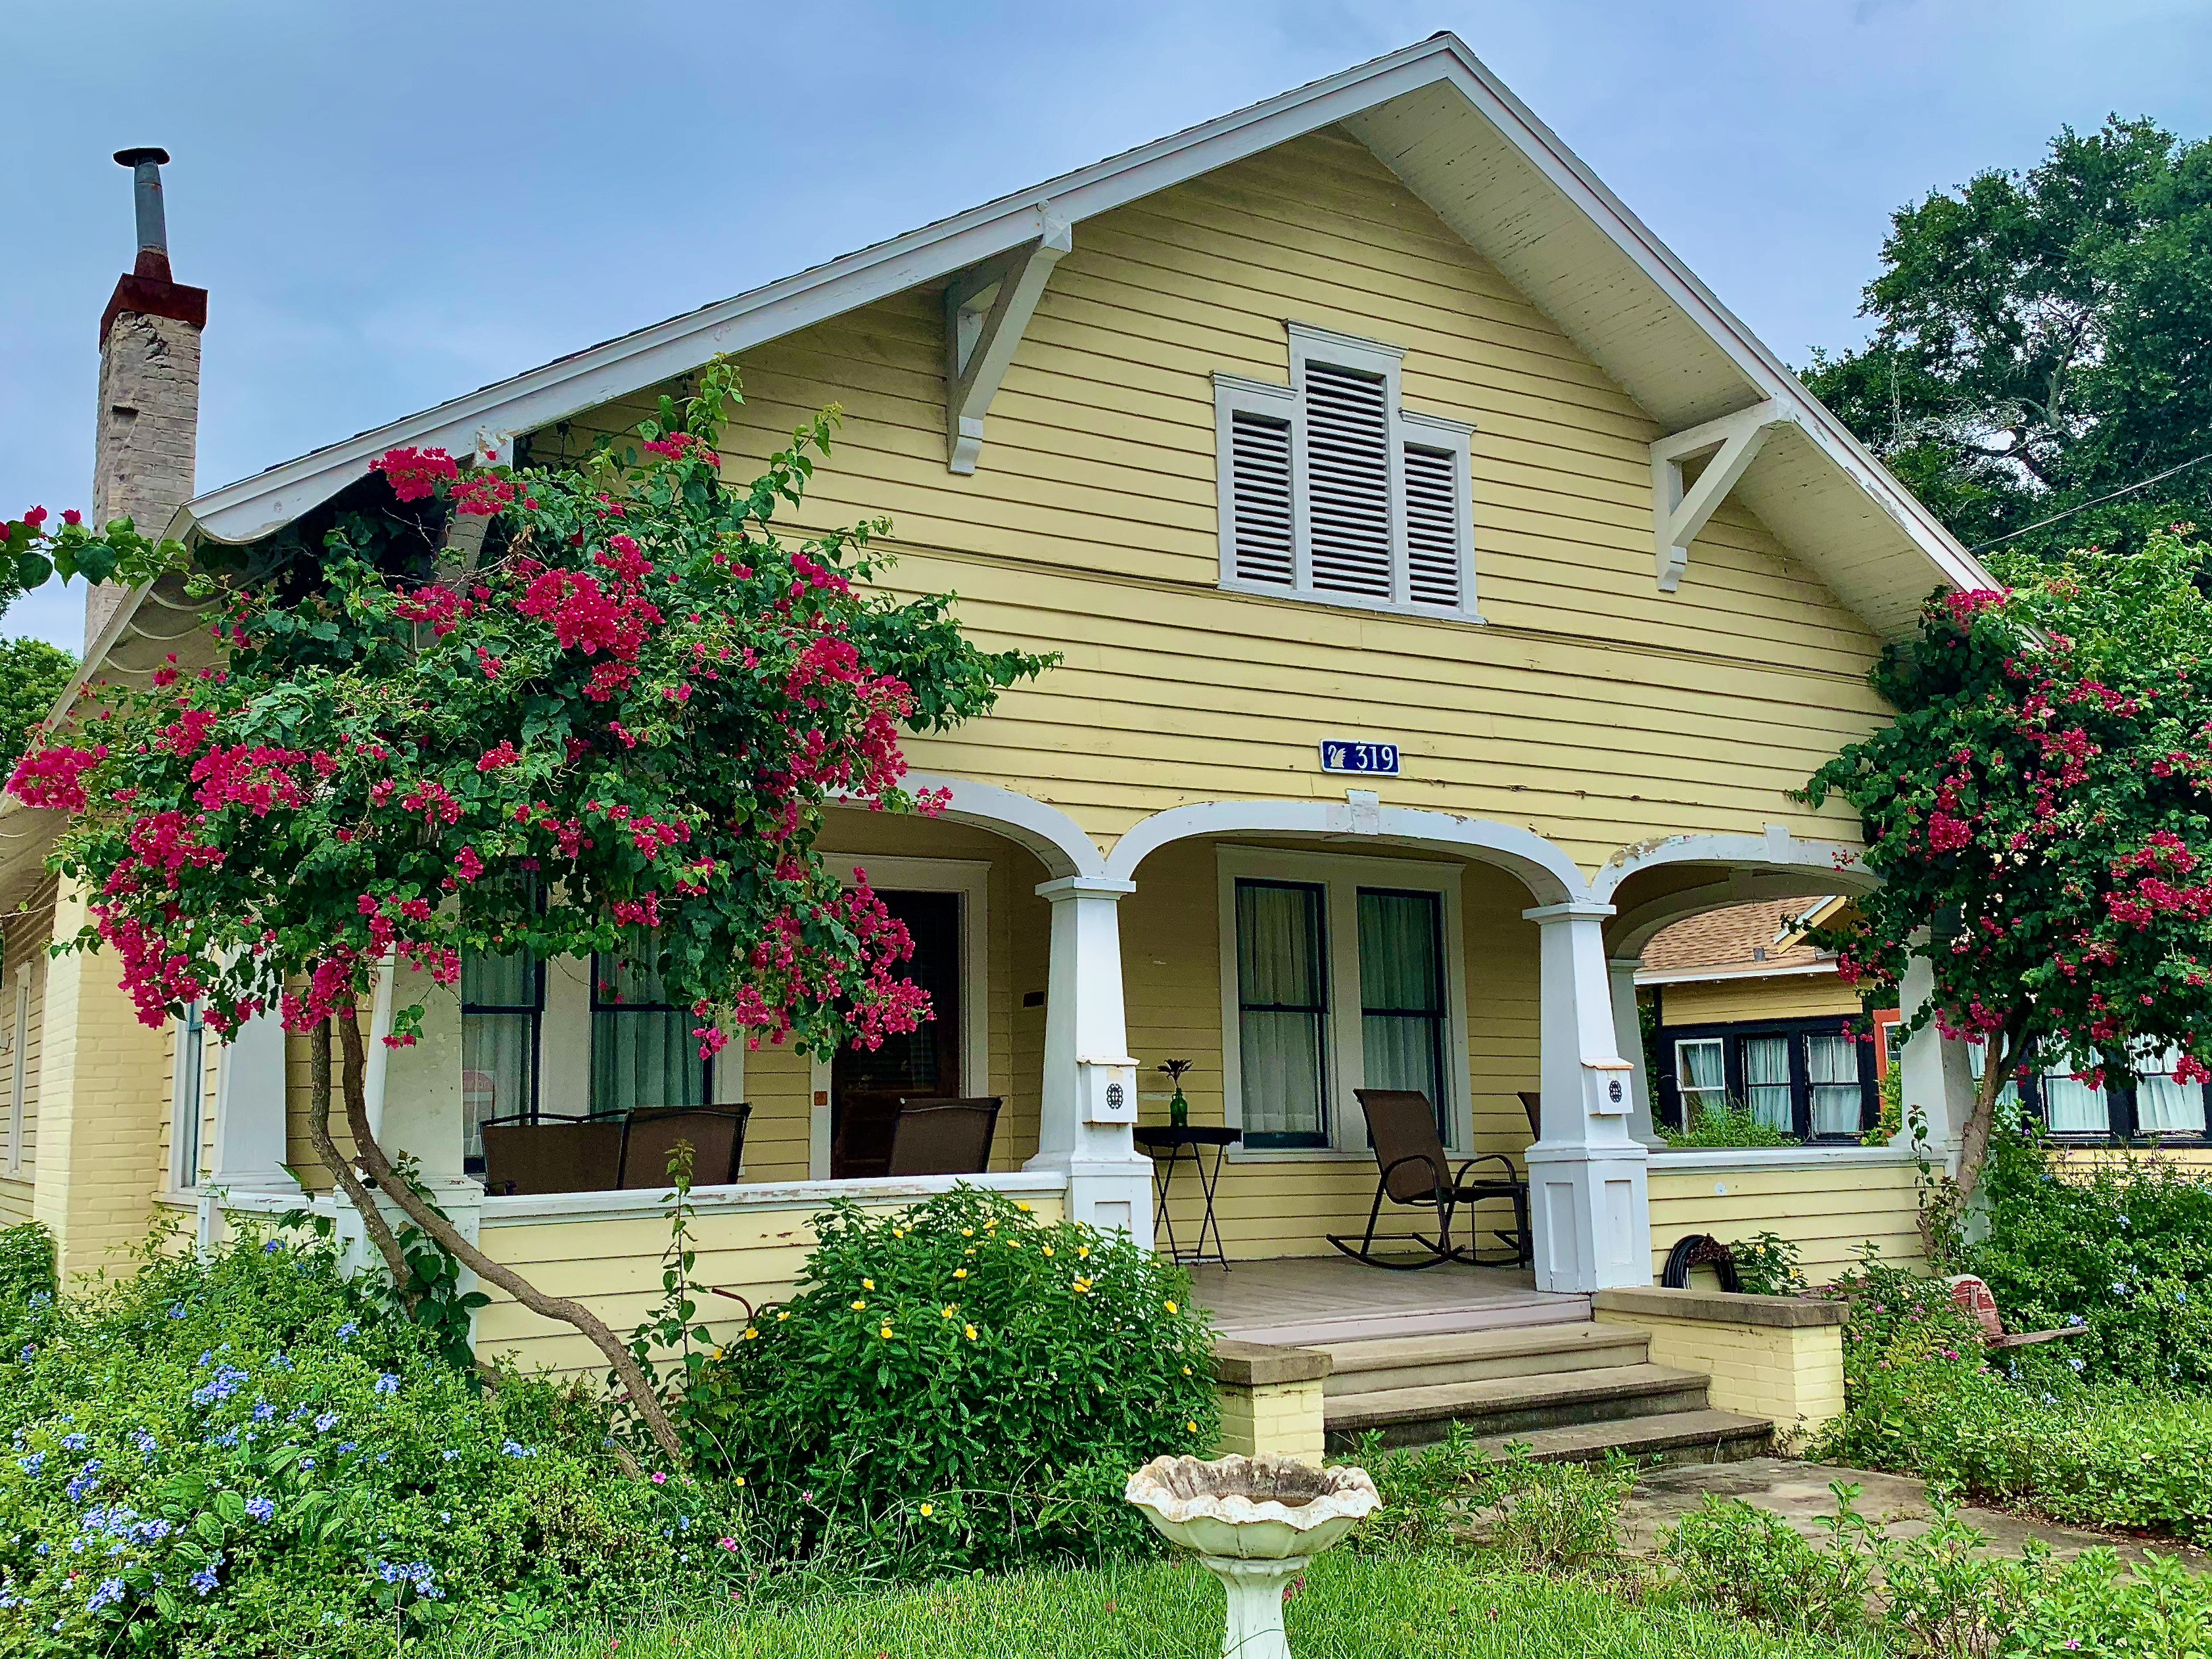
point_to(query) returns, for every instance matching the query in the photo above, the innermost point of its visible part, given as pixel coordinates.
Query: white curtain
(2163, 1105)
(2072, 1107)
(1978, 1061)
(1831, 1061)
(1282, 1003)
(1700, 1075)
(1766, 1081)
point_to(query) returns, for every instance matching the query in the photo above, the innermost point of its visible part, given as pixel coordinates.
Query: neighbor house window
(1701, 1072)
(1282, 990)
(2072, 1105)
(2163, 1105)
(1329, 489)
(643, 1053)
(191, 1083)
(1832, 1069)
(1766, 1086)
(502, 1006)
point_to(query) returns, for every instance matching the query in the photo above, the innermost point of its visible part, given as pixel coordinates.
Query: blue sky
(391, 205)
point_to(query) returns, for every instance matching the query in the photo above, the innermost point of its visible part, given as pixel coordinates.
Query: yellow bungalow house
(1450, 588)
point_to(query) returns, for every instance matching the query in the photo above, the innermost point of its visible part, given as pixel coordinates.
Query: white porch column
(1628, 1039)
(1591, 1211)
(250, 1135)
(1089, 1097)
(1938, 1077)
(413, 1096)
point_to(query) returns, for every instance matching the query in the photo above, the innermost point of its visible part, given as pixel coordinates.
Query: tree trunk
(618, 1356)
(341, 1168)
(1974, 1137)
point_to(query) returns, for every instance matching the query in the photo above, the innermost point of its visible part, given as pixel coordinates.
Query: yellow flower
(885, 1332)
(989, 1225)
(970, 1330)
(1082, 1251)
(718, 1352)
(858, 1305)
(867, 1284)
(1191, 1428)
(783, 1313)
(970, 1250)
(926, 1511)
(741, 1481)
(1186, 1371)
(1013, 1243)
(947, 1311)
(1082, 1287)
(960, 1273)
(1022, 1205)
(967, 1232)
(1047, 1249)
(1170, 1306)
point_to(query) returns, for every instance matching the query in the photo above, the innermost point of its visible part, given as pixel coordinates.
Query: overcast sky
(392, 204)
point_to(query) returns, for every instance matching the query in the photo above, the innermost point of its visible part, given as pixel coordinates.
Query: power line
(2128, 490)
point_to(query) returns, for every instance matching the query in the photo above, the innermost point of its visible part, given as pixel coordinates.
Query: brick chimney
(150, 386)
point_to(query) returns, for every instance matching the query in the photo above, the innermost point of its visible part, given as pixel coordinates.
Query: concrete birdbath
(1255, 1522)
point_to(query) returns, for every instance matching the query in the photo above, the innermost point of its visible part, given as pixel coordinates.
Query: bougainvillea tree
(2040, 813)
(614, 726)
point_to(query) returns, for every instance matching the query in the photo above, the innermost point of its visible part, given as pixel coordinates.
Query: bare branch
(318, 1135)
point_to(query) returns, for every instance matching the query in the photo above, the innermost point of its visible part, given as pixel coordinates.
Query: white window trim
(971, 879)
(1681, 1043)
(1341, 878)
(1236, 393)
(183, 1182)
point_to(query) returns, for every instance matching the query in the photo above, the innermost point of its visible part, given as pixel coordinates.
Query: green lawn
(1422, 1608)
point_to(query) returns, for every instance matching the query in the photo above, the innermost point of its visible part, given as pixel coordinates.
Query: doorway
(865, 1085)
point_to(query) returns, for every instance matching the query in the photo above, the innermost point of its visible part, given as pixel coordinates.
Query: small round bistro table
(1166, 1143)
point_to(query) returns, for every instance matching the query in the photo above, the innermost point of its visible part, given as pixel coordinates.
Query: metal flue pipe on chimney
(147, 440)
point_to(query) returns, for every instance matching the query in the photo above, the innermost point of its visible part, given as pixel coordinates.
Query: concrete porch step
(1378, 1366)
(1670, 1439)
(1507, 1406)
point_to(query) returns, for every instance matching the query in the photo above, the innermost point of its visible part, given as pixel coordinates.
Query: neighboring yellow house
(1450, 592)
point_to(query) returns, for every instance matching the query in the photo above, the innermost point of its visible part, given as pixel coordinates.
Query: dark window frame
(601, 1006)
(1439, 1017)
(1732, 1033)
(1292, 1139)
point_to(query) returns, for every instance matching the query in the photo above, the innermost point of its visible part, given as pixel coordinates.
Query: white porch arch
(1586, 1176)
(1061, 844)
(1549, 874)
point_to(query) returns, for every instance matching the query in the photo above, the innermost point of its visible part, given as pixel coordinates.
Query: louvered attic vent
(1330, 490)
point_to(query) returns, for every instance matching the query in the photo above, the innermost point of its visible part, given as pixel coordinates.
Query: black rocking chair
(1410, 1154)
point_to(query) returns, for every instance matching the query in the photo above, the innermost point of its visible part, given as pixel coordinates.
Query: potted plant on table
(1178, 1107)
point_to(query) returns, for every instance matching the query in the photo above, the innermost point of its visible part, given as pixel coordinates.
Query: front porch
(1299, 1302)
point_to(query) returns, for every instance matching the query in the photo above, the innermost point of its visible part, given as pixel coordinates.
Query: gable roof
(1461, 142)
(1742, 941)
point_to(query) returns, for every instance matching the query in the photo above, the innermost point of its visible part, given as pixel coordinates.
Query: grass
(1435, 1607)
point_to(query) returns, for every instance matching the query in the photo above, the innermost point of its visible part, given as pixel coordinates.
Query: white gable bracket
(986, 307)
(1734, 442)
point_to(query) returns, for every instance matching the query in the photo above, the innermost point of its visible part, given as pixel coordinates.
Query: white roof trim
(1741, 970)
(490, 416)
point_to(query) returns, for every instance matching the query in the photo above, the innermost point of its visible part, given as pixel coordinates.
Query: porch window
(1832, 1064)
(1701, 1073)
(1282, 1012)
(2073, 1106)
(1766, 1086)
(1331, 490)
(1977, 1062)
(192, 1082)
(643, 1053)
(2164, 1106)
(1402, 993)
(502, 1006)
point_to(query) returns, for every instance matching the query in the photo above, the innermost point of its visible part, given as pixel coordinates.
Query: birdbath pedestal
(1255, 1523)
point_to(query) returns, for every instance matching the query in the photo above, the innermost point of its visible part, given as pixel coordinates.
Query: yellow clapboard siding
(1827, 1210)
(1795, 996)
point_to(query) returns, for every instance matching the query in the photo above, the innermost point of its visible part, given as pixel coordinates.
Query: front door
(865, 1086)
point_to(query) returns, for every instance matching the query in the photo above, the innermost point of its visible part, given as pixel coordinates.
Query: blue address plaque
(1357, 754)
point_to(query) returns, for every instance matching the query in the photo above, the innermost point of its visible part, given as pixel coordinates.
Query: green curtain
(1282, 1002)
(499, 1037)
(1402, 995)
(643, 1053)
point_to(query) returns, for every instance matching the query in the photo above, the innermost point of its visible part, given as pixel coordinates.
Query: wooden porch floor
(1308, 1300)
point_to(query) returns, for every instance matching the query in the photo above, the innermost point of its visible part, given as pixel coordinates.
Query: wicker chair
(1414, 1172)
(942, 1137)
(543, 1154)
(717, 1135)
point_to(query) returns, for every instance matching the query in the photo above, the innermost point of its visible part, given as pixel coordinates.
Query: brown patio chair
(942, 1137)
(543, 1154)
(1410, 1154)
(1532, 1102)
(717, 1135)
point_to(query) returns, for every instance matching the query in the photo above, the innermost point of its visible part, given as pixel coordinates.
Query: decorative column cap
(1084, 887)
(1572, 910)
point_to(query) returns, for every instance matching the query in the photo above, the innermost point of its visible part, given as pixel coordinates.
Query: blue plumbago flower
(207, 1356)
(263, 1411)
(83, 1480)
(270, 1248)
(387, 1382)
(150, 1532)
(324, 1423)
(346, 1446)
(280, 1362)
(516, 1449)
(204, 1579)
(2119, 1287)
(447, 1457)
(261, 1508)
(2076, 1364)
(146, 1443)
(2123, 1221)
(228, 1439)
(223, 1384)
(2075, 1320)
(306, 1462)
(2049, 1398)
(295, 1414)
(383, 1457)
(30, 1353)
(109, 1593)
(32, 1464)
(176, 1310)
(73, 1443)
(349, 1329)
(2181, 1295)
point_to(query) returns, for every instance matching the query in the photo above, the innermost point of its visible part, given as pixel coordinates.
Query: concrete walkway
(1799, 1493)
